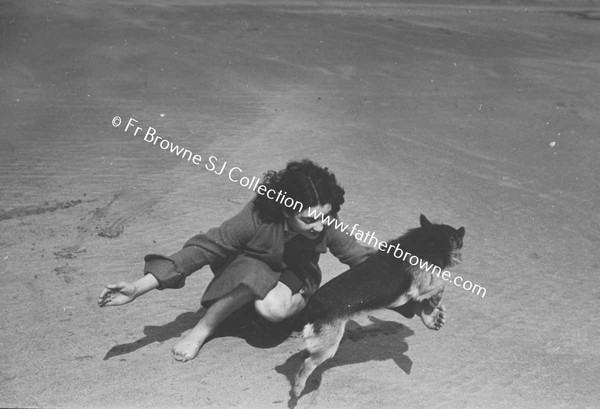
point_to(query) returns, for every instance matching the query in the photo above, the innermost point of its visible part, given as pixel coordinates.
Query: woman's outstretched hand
(117, 294)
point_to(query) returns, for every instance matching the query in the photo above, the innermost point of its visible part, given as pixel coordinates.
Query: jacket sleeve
(346, 248)
(217, 244)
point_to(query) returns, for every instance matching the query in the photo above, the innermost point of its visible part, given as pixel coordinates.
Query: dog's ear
(461, 232)
(424, 221)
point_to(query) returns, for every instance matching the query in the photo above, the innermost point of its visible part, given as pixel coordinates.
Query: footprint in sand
(66, 272)
(109, 220)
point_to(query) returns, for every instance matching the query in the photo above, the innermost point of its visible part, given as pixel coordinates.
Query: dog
(382, 281)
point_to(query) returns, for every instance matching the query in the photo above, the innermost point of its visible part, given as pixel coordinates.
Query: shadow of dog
(350, 353)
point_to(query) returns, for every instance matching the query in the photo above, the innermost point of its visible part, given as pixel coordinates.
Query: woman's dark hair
(303, 181)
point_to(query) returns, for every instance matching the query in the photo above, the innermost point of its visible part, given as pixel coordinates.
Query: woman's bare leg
(280, 304)
(188, 347)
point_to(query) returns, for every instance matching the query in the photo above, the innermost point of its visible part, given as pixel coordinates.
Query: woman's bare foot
(433, 317)
(187, 349)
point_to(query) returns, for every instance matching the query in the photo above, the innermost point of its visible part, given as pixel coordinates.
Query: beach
(475, 114)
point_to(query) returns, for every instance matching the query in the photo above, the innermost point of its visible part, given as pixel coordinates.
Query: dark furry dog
(381, 281)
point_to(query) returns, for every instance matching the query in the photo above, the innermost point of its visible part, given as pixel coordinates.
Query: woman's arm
(346, 248)
(219, 243)
(124, 292)
(170, 272)
(145, 284)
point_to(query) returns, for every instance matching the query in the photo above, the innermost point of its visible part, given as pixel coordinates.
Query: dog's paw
(434, 317)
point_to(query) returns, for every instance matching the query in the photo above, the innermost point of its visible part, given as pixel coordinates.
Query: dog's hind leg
(320, 345)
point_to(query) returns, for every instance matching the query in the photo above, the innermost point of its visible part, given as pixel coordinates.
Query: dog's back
(375, 283)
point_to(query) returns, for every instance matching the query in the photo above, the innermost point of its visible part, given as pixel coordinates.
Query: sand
(482, 115)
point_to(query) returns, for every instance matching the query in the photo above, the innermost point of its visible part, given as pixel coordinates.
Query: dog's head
(441, 242)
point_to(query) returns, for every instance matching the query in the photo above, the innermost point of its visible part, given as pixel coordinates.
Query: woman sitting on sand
(266, 254)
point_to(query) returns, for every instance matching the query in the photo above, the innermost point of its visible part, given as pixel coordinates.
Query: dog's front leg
(432, 292)
(408, 307)
(406, 310)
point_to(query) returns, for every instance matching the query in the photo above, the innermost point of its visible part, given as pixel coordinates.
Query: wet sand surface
(477, 115)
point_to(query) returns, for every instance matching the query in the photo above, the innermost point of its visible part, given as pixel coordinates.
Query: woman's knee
(271, 312)
(276, 306)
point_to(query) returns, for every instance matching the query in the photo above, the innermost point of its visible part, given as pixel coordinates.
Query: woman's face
(309, 227)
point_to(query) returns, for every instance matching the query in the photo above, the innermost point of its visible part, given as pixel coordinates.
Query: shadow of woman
(351, 353)
(160, 333)
(244, 323)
